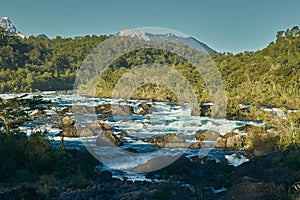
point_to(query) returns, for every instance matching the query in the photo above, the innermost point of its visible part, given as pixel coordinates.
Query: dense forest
(270, 76)
(35, 63)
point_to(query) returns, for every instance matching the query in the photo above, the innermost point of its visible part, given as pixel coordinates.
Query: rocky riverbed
(158, 150)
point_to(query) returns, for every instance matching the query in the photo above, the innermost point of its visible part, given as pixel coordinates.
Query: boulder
(67, 121)
(248, 128)
(146, 108)
(68, 131)
(231, 140)
(81, 109)
(169, 140)
(113, 110)
(108, 138)
(155, 164)
(98, 125)
(38, 114)
(67, 109)
(207, 135)
(196, 145)
(84, 132)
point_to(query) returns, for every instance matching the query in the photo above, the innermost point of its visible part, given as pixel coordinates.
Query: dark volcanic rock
(248, 191)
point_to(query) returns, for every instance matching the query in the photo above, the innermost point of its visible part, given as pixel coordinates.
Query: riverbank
(71, 174)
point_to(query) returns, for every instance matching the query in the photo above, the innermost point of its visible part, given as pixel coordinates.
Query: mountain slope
(170, 37)
(6, 23)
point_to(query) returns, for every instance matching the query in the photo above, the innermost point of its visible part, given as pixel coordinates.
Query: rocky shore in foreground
(265, 177)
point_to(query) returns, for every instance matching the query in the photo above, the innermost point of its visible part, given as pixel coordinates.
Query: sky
(224, 25)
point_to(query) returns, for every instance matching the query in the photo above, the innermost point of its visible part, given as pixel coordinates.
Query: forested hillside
(35, 63)
(270, 76)
(267, 77)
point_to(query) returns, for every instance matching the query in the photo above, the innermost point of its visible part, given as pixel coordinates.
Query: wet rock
(248, 129)
(146, 108)
(81, 109)
(249, 137)
(84, 132)
(231, 140)
(98, 125)
(67, 109)
(67, 121)
(207, 135)
(68, 131)
(38, 114)
(108, 138)
(169, 140)
(155, 164)
(113, 110)
(196, 145)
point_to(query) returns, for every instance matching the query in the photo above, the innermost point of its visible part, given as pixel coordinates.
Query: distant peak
(164, 36)
(6, 23)
(134, 34)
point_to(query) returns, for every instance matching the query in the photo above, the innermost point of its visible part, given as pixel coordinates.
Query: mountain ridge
(160, 37)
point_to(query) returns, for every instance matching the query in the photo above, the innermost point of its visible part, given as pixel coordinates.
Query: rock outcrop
(210, 135)
(108, 138)
(169, 140)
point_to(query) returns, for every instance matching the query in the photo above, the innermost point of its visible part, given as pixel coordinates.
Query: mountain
(8, 25)
(43, 36)
(190, 41)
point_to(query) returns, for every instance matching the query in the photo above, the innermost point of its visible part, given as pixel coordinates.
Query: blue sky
(224, 25)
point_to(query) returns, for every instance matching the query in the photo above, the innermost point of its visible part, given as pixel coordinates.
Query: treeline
(267, 77)
(34, 63)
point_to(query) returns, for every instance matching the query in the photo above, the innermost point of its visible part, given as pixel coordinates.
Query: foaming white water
(236, 159)
(165, 118)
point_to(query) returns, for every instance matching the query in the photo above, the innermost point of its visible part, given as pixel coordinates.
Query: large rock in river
(108, 138)
(155, 164)
(98, 125)
(67, 121)
(113, 110)
(68, 131)
(207, 135)
(231, 140)
(169, 140)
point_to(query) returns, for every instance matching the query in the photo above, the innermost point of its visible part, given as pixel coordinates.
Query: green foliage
(34, 63)
(40, 169)
(266, 77)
